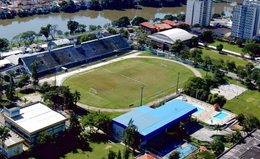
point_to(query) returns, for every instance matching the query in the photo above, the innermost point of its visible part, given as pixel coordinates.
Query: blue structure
(151, 122)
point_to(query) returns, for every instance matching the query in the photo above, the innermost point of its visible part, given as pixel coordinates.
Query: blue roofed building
(152, 122)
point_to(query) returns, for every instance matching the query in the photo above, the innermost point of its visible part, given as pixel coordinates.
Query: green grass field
(246, 103)
(227, 46)
(214, 55)
(119, 84)
(99, 151)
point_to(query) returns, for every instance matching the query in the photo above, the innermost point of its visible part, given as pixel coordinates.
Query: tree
(207, 36)
(217, 146)
(174, 155)
(216, 15)
(4, 134)
(119, 155)
(53, 30)
(181, 17)
(250, 123)
(138, 20)
(122, 22)
(184, 26)
(239, 42)
(194, 41)
(95, 5)
(126, 153)
(170, 17)
(92, 27)
(112, 30)
(17, 39)
(34, 68)
(68, 6)
(131, 136)
(219, 47)
(28, 36)
(72, 25)
(240, 118)
(111, 154)
(217, 127)
(252, 48)
(205, 155)
(3, 43)
(177, 47)
(45, 31)
(10, 91)
(76, 96)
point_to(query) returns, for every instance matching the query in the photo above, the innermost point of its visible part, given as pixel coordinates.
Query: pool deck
(209, 112)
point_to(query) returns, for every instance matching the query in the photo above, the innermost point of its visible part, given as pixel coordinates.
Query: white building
(31, 120)
(198, 12)
(12, 146)
(245, 21)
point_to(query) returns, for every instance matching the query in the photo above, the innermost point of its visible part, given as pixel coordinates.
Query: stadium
(121, 84)
(52, 60)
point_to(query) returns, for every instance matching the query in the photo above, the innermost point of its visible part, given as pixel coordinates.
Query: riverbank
(11, 27)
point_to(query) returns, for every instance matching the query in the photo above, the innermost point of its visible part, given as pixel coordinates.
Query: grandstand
(53, 60)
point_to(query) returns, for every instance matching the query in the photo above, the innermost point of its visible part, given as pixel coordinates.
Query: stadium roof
(36, 117)
(170, 36)
(151, 122)
(15, 52)
(4, 62)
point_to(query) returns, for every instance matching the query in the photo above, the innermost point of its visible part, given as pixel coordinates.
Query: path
(61, 78)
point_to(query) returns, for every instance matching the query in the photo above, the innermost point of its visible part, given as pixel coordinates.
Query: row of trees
(121, 4)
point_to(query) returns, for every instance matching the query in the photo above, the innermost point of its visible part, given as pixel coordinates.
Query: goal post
(92, 90)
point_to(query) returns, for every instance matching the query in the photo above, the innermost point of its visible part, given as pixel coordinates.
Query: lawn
(99, 150)
(215, 55)
(227, 46)
(118, 85)
(248, 102)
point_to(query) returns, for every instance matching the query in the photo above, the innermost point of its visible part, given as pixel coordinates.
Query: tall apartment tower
(246, 20)
(198, 12)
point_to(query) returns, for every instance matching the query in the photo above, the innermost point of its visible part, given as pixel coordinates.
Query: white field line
(124, 76)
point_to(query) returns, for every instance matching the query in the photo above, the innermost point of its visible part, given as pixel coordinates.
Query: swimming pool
(221, 116)
(199, 110)
(184, 150)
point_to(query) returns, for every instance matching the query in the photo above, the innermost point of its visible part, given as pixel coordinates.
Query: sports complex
(121, 84)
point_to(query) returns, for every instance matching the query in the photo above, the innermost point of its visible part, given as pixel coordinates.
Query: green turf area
(248, 102)
(119, 84)
(227, 46)
(215, 55)
(99, 151)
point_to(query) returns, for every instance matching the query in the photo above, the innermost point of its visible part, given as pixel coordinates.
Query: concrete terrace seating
(70, 56)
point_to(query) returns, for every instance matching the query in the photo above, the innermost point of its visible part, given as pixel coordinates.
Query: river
(11, 27)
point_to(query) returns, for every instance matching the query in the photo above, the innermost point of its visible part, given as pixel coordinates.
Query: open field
(118, 85)
(214, 55)
(99, 151)
(227, 46)
(248, 102)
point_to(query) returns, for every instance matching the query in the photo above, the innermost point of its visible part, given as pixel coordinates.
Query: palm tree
(4, 135)
(76, 96)
(217, 127)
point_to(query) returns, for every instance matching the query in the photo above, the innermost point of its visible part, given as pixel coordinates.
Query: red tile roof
(148, 156)
(148, 25)
(185, 23)
(171, 23)
(162, 26)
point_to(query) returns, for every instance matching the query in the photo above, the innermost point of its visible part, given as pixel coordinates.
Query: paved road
(61, 78)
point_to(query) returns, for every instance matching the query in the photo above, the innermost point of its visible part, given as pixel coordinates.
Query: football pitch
(118, 85)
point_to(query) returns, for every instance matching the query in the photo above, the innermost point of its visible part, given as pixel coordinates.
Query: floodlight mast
(177, 83)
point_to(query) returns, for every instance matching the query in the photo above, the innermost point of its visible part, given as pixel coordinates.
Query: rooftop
(249, 149)
(13, 140)
(36, 117)
(170, 36)
(151, 121)
(171, 23)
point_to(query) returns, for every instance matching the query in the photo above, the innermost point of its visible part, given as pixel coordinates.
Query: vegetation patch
(227, 46)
